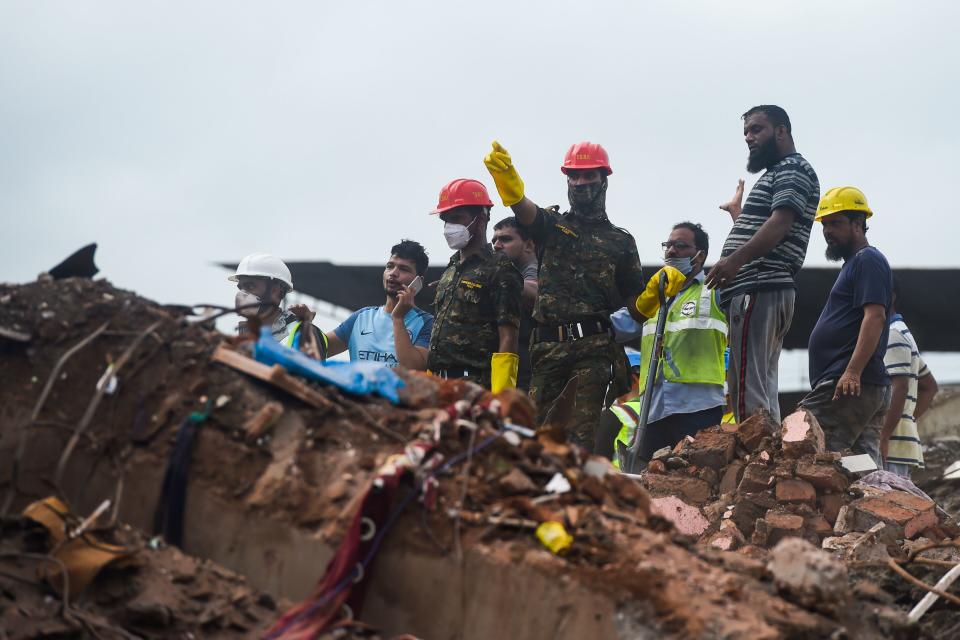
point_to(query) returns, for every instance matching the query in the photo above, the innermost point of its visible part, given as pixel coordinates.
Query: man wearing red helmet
(588, 269)
(478, 297)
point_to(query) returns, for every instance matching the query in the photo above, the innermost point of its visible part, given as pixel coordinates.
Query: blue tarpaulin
(360, 378)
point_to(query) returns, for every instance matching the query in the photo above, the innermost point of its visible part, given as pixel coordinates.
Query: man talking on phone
(397, 332)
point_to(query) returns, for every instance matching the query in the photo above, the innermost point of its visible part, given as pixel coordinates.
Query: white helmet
(263, 265)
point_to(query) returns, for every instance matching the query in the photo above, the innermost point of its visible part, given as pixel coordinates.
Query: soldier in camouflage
(588, 269)
(477, 306)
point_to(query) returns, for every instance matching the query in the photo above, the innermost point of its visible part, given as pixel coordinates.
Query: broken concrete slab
(830, 504)
(754, 429)
(757, 476)
(825, 477)
(694, 490)
(909, 515)
(801, 434)
(808, 574)
(714, 449)
(731, 477)
(774, 527)
(687, 518)
(795, 490)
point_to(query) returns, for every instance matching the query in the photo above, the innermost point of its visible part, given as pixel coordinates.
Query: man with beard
(396, 332)
(588, 269)
(851, 388)
(761, 258)
(478, 296)
(514, 242)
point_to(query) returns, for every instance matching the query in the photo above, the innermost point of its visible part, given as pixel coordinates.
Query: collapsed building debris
(487, 529)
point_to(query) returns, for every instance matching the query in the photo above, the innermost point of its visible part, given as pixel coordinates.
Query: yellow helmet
(842, 199)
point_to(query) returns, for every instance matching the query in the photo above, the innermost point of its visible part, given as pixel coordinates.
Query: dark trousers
(668, 431)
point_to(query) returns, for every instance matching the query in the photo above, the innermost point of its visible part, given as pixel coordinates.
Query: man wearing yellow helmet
(850, 386)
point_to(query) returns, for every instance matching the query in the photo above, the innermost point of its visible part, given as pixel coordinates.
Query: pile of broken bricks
(746, 487)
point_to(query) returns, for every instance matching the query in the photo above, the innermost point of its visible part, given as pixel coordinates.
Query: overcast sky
(176, 134)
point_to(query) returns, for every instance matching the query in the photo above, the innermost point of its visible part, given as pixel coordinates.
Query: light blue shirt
(368, 333)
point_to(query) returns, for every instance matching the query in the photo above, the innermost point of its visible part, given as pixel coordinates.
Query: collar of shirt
(483, 253)
(700, 277)
(894, 318)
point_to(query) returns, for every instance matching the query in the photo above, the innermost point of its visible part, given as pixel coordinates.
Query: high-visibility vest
(694, 340)
(628, 413)
(292, 339)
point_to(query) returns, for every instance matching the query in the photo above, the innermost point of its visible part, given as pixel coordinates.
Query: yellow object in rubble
(505, 176)
(82, 556)
(503, 371)
(648, 302)
(554, 536)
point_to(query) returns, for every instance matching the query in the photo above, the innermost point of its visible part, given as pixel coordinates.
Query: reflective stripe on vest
(629, 414)
(293, 337)
(695, 337)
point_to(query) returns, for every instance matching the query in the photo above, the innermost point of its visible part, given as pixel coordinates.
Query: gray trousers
(758, 322)
(850, 422)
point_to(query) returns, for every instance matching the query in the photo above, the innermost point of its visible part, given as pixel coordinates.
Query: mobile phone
(416, 285)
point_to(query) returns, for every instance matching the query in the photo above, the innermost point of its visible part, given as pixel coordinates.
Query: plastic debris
(360, 378)
(558, 484)
(858, 464)
(554, 536)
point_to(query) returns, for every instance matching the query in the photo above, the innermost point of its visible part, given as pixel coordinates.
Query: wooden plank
(275, 375)
(242, 363)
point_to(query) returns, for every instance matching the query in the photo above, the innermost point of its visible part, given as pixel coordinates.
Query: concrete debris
(808, 574)
(801, 434)
(279, 475)
(862, 463)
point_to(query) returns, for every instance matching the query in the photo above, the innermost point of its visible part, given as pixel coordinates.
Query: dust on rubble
(685, 553)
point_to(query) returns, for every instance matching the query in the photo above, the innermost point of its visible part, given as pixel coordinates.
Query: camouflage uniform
(473, 299)
(588, 269)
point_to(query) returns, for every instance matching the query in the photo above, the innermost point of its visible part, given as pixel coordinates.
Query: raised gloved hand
(648, 302)
(503, 371)
(505, 176)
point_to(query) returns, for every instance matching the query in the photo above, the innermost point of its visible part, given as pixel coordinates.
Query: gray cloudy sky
(179, 133)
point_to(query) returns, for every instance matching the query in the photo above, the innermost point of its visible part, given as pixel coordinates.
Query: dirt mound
(156, 592)
(107, 395)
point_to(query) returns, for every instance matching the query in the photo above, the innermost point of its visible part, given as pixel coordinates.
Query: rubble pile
(157, 591)
(524, 537)
(746, 487)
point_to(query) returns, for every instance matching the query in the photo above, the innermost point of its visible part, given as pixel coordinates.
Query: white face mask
(244, 298)
(458, 235)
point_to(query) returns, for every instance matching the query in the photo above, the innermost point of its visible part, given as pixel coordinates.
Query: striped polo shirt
(903, 359)
(790, 183)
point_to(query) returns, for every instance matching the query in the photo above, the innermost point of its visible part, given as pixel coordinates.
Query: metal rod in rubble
(633, 457)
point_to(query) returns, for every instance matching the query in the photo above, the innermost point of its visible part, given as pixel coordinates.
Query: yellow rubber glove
(503, 371)
(505, 176)
(648, 302)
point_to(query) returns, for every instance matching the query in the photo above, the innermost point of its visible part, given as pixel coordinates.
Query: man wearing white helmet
(263, 281)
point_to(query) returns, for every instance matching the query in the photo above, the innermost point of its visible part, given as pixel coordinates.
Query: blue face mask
(682, 264)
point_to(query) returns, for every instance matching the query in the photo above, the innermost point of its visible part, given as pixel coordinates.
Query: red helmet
(462, 192)
(586, 155)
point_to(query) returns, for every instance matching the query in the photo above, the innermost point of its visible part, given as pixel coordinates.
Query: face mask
(588, 200)
(458, 235)
(682, 264)
(245, 298)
